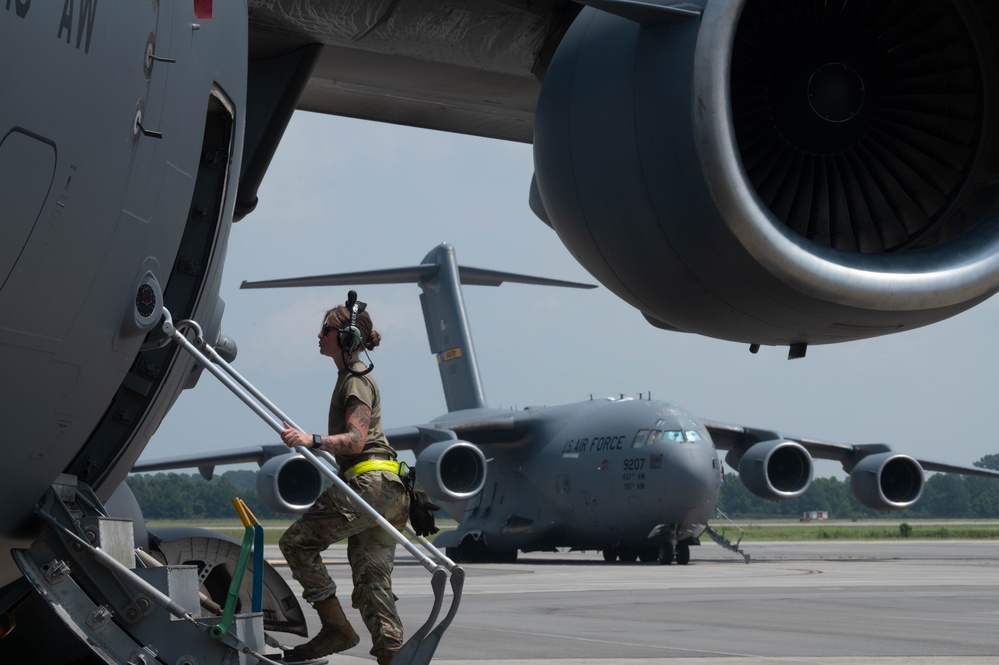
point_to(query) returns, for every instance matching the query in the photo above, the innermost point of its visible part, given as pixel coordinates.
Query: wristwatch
(317, 440)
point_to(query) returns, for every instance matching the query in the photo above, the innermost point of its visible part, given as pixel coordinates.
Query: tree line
(188, 496)
(177, 496)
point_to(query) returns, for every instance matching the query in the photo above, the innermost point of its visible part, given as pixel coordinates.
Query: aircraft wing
(738, 438)
(288, 483)
(206, 462)
(463, 66)
(509, 429)
(470, 67)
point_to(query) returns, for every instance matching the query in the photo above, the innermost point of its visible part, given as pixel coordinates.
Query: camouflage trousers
(370, 551)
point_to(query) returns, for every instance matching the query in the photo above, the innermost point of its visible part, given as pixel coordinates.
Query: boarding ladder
(722, 540)
(422, 644)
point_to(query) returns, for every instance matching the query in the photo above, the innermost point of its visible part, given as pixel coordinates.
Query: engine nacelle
(451, 470)
(289, 484)
(887, 481)
(776, 470)
(779, 171)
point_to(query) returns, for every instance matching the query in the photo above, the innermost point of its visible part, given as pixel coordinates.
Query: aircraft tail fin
(440, 277)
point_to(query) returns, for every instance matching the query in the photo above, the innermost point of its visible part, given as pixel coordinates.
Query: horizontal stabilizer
(412, 274)
(440, 278)
(405, 275)
(480, 277)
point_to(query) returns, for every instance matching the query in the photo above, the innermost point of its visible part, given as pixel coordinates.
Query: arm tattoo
(352, 441)
(362, 415)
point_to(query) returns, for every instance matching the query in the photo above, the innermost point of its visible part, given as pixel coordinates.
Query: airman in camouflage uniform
(369, 465)
(370, 550)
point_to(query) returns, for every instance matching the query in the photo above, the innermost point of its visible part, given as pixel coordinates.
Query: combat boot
(385, 657)
(336, 634)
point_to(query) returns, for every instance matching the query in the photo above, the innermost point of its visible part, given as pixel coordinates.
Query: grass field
(779, 530)
(754, 531)
(235, 530)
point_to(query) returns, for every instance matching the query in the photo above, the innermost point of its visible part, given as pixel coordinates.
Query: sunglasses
(327, 329)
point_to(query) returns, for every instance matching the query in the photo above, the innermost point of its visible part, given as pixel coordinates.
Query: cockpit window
(646, 437)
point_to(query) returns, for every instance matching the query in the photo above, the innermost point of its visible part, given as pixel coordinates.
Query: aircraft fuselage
(596, 475)
(120, 143)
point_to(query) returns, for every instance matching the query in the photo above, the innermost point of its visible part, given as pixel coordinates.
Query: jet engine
(887, 481)
(289, 484)
(451, 470)
(776, 470)
(782, 172)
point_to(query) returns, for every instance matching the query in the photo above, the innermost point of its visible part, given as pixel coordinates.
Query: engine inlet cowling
(779, 171)
(451, 470)
(289, 484)
(776, 470)
(884, 136)
(887, 481)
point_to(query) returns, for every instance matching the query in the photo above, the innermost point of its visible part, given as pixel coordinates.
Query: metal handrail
(420, 647)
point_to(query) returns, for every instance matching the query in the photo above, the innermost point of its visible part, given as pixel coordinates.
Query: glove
(421, 513)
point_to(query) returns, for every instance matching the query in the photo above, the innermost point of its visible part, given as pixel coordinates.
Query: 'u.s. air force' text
(76, 21)
(601, 443)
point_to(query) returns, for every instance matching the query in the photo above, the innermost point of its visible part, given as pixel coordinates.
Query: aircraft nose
(688, 473)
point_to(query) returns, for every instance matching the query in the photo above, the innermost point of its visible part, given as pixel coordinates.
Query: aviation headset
(349, 337)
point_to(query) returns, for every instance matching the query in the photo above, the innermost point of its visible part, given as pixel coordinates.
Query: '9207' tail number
(636, 464)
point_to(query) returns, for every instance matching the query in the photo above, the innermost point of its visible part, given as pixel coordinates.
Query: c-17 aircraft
(634, 478)
(786, 172)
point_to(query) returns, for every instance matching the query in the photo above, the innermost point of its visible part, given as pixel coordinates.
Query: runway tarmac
(809, 603)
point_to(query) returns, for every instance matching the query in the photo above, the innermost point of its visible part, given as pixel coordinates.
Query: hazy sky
(346, 195)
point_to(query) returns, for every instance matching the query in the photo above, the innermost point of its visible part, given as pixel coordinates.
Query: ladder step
(726, 543)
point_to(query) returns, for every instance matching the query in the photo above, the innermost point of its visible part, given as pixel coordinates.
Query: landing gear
(648, 553)
(505, 556)
(622, 554)
(645, 554)
(474, 551)
(627, 554)
(680, 552)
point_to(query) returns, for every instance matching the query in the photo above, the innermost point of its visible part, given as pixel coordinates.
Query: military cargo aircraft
(797, 172)
(634, 478)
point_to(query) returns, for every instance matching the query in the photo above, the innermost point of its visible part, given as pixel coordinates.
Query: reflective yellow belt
(391, 466)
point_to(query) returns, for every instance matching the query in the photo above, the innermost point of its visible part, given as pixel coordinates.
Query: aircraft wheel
(470, 551)
(665, 555)
(627, 554)
(648, 554)
(505, 556)
(610, 554)
(683, 554)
